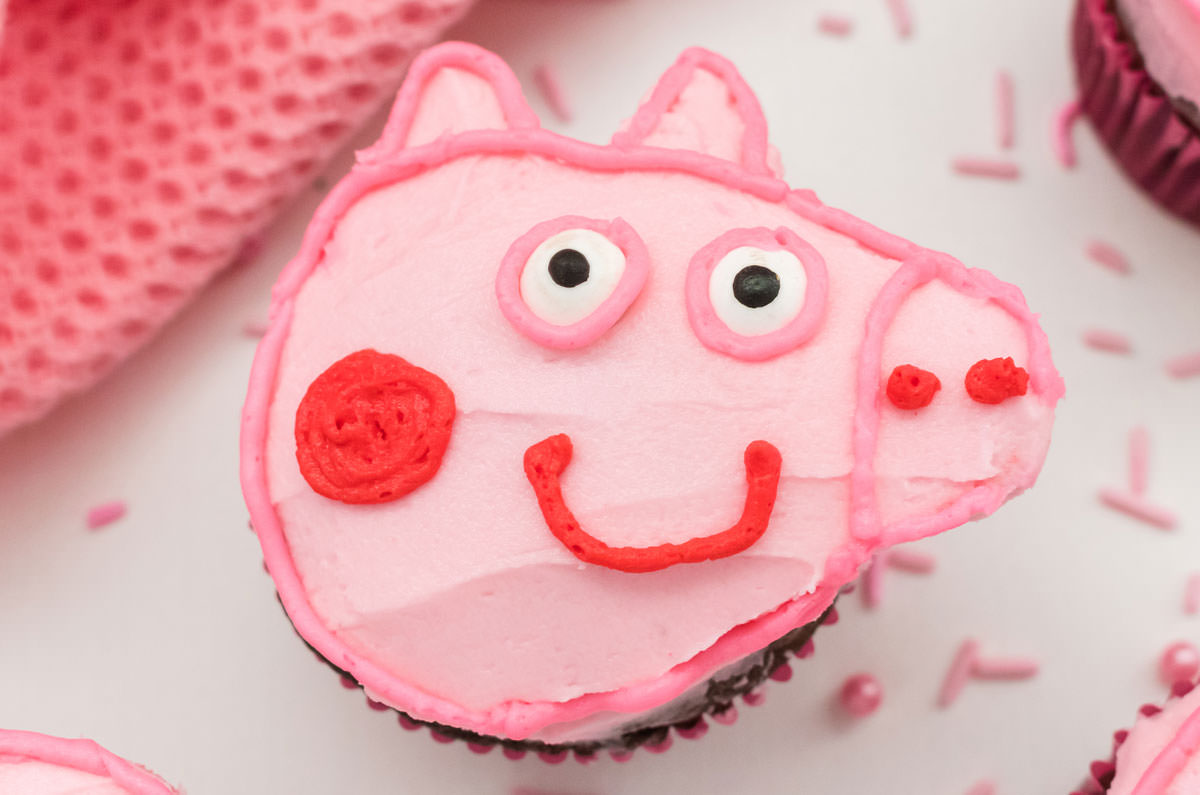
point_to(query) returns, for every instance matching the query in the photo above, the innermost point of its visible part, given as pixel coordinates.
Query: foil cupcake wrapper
(1147, 135)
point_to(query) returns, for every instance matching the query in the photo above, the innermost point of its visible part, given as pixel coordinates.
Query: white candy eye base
(570, 275)
(567, 281)
(756, 293)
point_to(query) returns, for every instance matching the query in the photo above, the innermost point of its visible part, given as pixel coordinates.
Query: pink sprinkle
(408, 723)
(983, 787)
(1191, 594)
(1064, 123)
(1138, 508)
(861, 695)
(872, 592)
(549, 757)
(514, 753)
(959, 673)
(904, 560)
(1179, 662)
(1104, 340)
(910, 561)
(480, 748)
(546, 80)
(1184, 366)
(1005, 126)
(1012, 668)
(1139, 460)
(783, 673)
(621, 756)
(902, 17)
(1108, 256)
(984, 167)
(438, 737)
(835, 25)
(105, 513)
(255, 328)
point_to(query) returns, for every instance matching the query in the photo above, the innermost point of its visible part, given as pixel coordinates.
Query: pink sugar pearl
(861, 695)
(1180, 661)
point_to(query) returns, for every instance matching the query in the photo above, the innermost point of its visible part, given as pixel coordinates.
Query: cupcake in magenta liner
(1159, 755)
(37, 764)
(557, 445)
(1138, 67)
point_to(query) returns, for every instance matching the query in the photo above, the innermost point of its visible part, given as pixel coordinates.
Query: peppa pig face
(37, 764)
(545, 433)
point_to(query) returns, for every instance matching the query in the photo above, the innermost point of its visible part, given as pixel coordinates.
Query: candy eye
(567, 281)
(756, 293)
(570, 275)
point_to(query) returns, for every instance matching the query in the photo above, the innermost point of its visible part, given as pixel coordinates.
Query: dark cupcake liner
(769, 663)
(1147, 134)
(1102, 771)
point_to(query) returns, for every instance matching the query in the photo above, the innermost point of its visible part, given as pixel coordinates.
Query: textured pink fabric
(142, 141)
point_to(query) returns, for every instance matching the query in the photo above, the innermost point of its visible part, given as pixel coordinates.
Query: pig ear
(702, 104)
(452, 88)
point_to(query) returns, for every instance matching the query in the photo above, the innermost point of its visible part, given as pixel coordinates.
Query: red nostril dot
(372, 428)
(996, 380)
(910, 387)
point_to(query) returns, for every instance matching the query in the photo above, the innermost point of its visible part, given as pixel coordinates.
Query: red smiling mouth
(546, 460)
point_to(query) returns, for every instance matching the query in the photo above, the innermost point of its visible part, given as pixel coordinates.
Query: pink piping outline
(603, 317)
(671, 86)
(520, 719)
(85, 756)
(1171, 759)
(722, 339)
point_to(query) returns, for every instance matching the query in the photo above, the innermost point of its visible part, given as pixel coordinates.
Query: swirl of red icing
(910, 387)
(996, 380)
(372, 428)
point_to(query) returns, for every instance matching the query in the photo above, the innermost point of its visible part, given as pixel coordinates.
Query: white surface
(160, 637)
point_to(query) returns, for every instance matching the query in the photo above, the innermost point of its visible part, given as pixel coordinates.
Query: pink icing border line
(671, 86)
(719, 337)
(603, 317)
(83, 755)
(1171, 759)
(520, 719)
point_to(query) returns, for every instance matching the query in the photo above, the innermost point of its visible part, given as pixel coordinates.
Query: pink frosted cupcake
(37, 764)
(558, 446)
(1138, 64)
(1160, 755)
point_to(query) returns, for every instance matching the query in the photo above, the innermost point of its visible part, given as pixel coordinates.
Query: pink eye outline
(604, 316)
(713, 332)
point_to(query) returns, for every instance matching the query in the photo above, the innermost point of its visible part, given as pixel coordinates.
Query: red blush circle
(372, 428)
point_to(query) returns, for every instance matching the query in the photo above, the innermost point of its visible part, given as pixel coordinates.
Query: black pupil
(569, 268)
(755, 286)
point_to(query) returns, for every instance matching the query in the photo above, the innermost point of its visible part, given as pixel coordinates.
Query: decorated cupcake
(1160, 755)
(1138, 64)
(36, 764)
(556, 446)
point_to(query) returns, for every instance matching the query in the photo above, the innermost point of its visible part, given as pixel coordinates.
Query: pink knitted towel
(142, 141)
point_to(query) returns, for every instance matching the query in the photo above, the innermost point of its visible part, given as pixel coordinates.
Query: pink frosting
(1167, 33)
(456, 604)
(37, 764)
(1161, 755)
